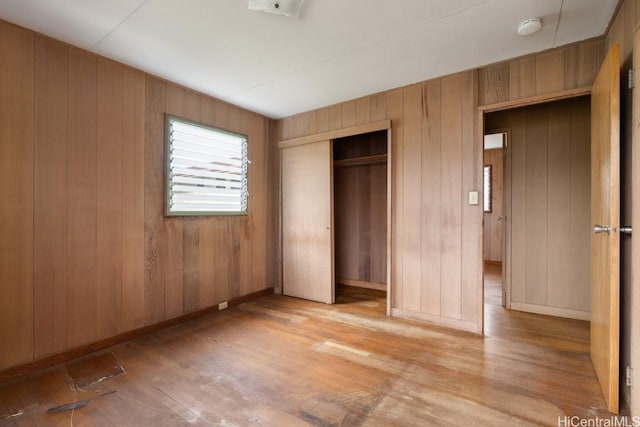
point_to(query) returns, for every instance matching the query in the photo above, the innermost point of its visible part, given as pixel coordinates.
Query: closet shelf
(364, 160)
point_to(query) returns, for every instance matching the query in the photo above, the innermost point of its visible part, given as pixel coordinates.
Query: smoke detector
(290, 8)
(529, 26)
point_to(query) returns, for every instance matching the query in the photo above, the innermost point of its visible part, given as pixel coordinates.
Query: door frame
(342, 133)
(508, 105)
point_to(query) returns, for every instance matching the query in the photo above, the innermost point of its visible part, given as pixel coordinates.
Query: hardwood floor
(280, 361)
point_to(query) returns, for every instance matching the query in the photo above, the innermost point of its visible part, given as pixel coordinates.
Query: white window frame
(206, 170)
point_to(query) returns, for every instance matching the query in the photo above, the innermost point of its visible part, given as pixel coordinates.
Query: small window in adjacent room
(487, 188)
(206, 170)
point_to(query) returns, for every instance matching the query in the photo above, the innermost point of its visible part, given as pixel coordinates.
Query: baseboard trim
(362, 284)
(551, 311)
(461, 325)
(65, 356)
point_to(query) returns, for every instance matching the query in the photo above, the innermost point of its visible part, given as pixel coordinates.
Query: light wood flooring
(280, 361)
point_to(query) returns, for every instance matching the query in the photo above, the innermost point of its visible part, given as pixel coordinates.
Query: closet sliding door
(307, 221)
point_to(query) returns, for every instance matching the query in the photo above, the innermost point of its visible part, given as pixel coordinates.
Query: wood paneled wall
(360, 218)
(493, 227)
(549, 154)
(622, 33)
(86, 253)
(437, 159)
(549, 72)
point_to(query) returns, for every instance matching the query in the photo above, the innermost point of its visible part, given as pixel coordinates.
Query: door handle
(626, 229)
(601, 229)
(502, 218)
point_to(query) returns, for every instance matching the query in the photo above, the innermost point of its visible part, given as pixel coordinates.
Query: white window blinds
(206, 171)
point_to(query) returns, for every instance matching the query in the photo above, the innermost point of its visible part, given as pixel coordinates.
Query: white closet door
(307, 222)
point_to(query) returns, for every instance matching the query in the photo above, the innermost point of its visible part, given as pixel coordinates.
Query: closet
(360, 210)
(336, 212)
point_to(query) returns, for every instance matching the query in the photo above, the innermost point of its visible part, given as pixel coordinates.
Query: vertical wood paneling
(88, 247)
(550, 72)
(518, 121)
(50, 198)
(133, 201)
(378, 107)
(522, 77)
(109, 197)
(471, 308)
(412, 196)
(363, 111)
(494, 83)
(559, 206)
(580, 207)
(81, 202)
(395, 111)
(156, 257)
(322, 120)
(16, 193)
(349, 114)
(335, 117)
(537, 137)
(581, 64)
(550, 199)
(431, 192)
(451, 214)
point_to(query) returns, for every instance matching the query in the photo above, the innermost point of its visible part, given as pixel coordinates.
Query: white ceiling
(337, 50)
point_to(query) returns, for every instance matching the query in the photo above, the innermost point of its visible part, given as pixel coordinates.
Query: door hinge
(632, 78)
(629, 376)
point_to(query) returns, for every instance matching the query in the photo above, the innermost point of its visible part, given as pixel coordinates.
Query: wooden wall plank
(494, 83)
(322, 120)
(537, 141)
(133, 201)
(363, 111)
(335, 117)
(581, 64)
(16, 193)
(109, 238)
(519, 209)
(580, 206)
(258, 180)
(348, 114)
(412, 196)
(522, 78)
(431, 191)
(155, 236)
(550, 70)
(471, 310)
(395, 111)
(558, 209)
(50, 198)
(81, 202)
(378, 107)
(451, 214)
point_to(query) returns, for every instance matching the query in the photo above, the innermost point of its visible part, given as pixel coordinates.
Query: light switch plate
(473, 197)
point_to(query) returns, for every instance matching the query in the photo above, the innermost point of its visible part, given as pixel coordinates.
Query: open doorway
(542, 238)
(360, 218)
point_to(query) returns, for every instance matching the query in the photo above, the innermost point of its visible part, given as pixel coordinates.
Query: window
(206, 170)
(487, 188)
